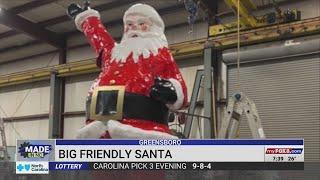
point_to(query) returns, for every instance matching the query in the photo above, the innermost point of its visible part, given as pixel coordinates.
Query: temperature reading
(291, 158)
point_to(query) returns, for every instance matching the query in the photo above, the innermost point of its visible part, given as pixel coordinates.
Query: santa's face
(136, 25)
(141, 38)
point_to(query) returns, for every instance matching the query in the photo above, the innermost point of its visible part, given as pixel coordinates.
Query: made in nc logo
(28, 150)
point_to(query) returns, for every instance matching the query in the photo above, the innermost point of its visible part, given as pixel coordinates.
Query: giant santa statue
(139, 82)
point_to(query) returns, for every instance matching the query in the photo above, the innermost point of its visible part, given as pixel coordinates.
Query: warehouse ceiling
(29, 28)
(33, 27)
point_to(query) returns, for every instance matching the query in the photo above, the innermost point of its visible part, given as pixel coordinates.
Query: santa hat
(145, 10)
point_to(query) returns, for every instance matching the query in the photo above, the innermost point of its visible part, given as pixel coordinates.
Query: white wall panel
(76, 92)
(72, 125)
(27, 64)
(36, 97)
(80, 54)
(35, 129)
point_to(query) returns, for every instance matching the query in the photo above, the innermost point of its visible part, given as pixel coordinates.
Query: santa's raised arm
(142, 64)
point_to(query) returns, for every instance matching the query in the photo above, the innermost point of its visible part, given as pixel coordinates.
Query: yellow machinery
(249, 21)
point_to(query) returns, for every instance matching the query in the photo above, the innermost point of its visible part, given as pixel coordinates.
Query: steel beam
(221, 89)
(208, 126)
(26, 118)
(62, 60)
(217, 68)
(41, 116)
(30, 5)
(20, 46)
(16, 22)
(55, 111)
(8, 34)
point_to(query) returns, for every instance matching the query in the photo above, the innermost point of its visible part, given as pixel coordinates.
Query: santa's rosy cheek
(126, 29)
(145, 28)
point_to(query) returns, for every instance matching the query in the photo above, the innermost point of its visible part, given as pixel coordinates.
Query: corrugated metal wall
(287, 96)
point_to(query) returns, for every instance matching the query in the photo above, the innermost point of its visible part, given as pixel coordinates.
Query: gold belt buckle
(118, 114)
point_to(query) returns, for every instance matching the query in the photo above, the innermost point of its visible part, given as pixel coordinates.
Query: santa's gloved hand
(74, 10)
(164, 91)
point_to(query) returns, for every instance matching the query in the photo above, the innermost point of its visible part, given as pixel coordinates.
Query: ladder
(208, 106)
(193, 102)
(237, 105)
(3, 145)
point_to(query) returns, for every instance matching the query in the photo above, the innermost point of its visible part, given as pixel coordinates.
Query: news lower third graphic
(42, 156)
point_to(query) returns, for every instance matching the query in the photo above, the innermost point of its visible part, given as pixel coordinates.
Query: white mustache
(131, 33)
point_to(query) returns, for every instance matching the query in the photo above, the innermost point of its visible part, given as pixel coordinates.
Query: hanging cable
(238, 47)
(238, 56)
(192, 9)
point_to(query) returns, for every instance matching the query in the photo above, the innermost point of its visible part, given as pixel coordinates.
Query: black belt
(135, 106)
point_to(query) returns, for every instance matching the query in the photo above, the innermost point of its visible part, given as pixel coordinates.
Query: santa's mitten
(80, 14)
(164, 91)
(73, 10)
(93, 130)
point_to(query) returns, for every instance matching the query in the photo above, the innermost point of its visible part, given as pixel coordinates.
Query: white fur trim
(146, 10)
(92, 131)
(180, 95)
(80, 18)
(118, 130)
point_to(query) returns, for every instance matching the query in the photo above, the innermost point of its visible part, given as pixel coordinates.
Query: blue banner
(68, 166)
(184, 142)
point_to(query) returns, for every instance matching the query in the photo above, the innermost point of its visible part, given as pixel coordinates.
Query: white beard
(145, 44)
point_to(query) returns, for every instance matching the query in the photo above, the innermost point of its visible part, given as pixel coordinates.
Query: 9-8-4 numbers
(201, 165)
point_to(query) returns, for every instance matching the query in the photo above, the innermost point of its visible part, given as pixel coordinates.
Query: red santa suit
(134, 70)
